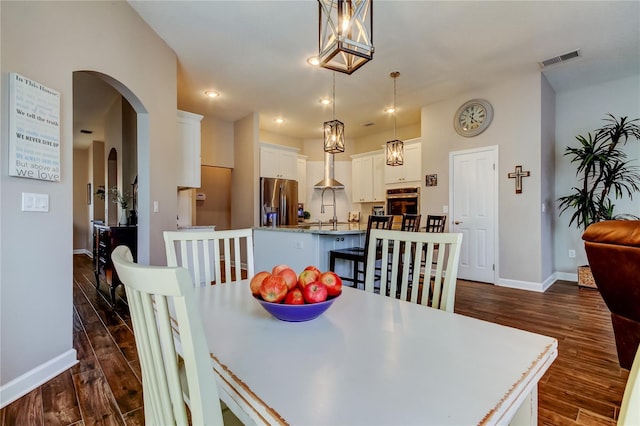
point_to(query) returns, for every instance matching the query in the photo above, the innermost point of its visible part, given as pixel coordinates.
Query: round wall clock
(473, 117)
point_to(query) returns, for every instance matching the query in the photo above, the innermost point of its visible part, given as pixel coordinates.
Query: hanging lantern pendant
(395, 148)
(334, 129)
(345, 39)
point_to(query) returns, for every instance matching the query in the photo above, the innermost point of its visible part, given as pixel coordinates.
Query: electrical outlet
(572, 254)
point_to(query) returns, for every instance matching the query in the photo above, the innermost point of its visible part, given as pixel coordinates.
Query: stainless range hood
(328, 181)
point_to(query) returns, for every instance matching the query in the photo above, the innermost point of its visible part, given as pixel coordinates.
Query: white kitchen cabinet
(189, 149)
(367, 177)
(278, 162)
(302, 178)
(379, 193)
(411, 170)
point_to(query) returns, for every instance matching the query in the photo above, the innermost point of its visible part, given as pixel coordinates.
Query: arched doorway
(93, 98)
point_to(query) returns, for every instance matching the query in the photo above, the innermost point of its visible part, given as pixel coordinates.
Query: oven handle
(397, 196)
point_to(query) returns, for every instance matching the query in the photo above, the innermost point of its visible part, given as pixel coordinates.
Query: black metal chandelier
(334, 129)
(345, 34)
(395, 148)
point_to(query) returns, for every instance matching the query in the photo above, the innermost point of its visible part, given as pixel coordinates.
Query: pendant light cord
(395, 76)
(333, 95)
(395, 111)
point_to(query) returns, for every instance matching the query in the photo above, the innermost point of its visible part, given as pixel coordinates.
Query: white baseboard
(29, 381)
(522, 285)
(83, 251)
(539, 287)
(566, 276)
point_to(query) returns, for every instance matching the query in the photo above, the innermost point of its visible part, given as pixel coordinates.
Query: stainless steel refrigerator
(279, 202)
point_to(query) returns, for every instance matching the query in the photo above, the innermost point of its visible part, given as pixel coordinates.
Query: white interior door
(473, 189)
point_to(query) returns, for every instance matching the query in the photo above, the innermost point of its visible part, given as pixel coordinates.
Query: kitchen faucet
(334, 220)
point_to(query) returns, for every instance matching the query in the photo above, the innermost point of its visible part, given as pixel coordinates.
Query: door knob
(457, 222)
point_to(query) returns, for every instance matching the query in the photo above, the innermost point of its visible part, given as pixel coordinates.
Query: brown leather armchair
(613, 250)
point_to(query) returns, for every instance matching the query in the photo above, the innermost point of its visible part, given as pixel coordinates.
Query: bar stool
(358, 255)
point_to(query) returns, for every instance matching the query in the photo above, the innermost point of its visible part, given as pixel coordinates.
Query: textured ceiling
(254, 53)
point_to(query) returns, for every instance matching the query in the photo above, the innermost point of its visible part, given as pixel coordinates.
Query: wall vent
(560, 58)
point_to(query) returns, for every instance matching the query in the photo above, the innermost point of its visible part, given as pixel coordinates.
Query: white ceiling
(254, 53)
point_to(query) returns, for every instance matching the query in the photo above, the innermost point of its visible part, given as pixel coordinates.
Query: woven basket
(585, 277)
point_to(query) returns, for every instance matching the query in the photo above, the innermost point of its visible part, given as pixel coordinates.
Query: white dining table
(370, 360)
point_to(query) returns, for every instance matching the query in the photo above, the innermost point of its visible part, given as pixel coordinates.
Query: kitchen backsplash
(342, 172)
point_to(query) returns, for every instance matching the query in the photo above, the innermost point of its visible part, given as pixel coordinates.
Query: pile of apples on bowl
(283, 285)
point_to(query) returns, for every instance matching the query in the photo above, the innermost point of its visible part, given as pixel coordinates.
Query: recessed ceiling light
(212, 93)
(313, 61)
(390, 110)
(279, 120)
(325, 101)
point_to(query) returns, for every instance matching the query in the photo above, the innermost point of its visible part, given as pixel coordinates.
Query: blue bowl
(296, 313)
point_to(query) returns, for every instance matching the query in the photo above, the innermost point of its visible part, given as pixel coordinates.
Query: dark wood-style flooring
(584, 386)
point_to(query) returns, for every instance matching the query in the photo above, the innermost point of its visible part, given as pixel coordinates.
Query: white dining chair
(405, 276)
(211, 256)
(630, 406)
(151, 290)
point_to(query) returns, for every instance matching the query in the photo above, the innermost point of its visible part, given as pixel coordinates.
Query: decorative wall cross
(518, 175)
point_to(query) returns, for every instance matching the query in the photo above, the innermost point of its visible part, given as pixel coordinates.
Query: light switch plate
(35, 202)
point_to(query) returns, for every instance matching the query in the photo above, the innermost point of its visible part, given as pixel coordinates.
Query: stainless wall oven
(402, 200)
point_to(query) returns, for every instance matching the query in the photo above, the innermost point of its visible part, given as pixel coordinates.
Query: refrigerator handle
(282, 217)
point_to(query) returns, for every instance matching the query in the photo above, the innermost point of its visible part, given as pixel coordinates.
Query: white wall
(579, 112)
(47, 42)
(245, 177)
(216, 142)
(547, 177)
(516, 129)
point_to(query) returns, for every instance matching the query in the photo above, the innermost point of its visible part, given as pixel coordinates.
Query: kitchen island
(306, 244)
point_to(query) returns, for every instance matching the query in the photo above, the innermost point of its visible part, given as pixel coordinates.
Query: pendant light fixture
(395, 147)
(345, 39)
(334, 129)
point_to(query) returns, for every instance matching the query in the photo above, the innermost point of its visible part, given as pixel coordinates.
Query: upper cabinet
(189, 152)
(367, 177)
(411, 170)
(278, 162)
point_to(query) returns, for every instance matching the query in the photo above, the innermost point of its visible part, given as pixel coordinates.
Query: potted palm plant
(605, 174)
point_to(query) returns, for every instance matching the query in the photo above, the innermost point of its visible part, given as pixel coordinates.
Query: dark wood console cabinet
(105, 239)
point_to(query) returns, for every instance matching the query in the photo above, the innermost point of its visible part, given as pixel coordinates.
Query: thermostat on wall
(201, 196)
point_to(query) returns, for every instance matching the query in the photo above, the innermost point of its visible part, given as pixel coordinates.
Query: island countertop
(342, 228)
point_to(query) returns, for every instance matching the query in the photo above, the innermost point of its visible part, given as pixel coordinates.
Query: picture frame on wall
(431, 180)
(89, 194)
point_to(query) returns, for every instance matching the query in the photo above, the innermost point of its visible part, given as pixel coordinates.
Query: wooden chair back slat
(403, 273)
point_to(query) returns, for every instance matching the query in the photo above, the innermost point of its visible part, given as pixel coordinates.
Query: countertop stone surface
(342, 228)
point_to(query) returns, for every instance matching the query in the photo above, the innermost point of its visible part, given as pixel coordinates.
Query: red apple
(315, 293)
(256, 281)
(294, 297)
(312, 268)
(307, 276)
(332, 281)
(290, 277)
(273, 288)
(279, 268)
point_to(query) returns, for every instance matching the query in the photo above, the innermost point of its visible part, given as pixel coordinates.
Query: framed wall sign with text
(34, 129)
